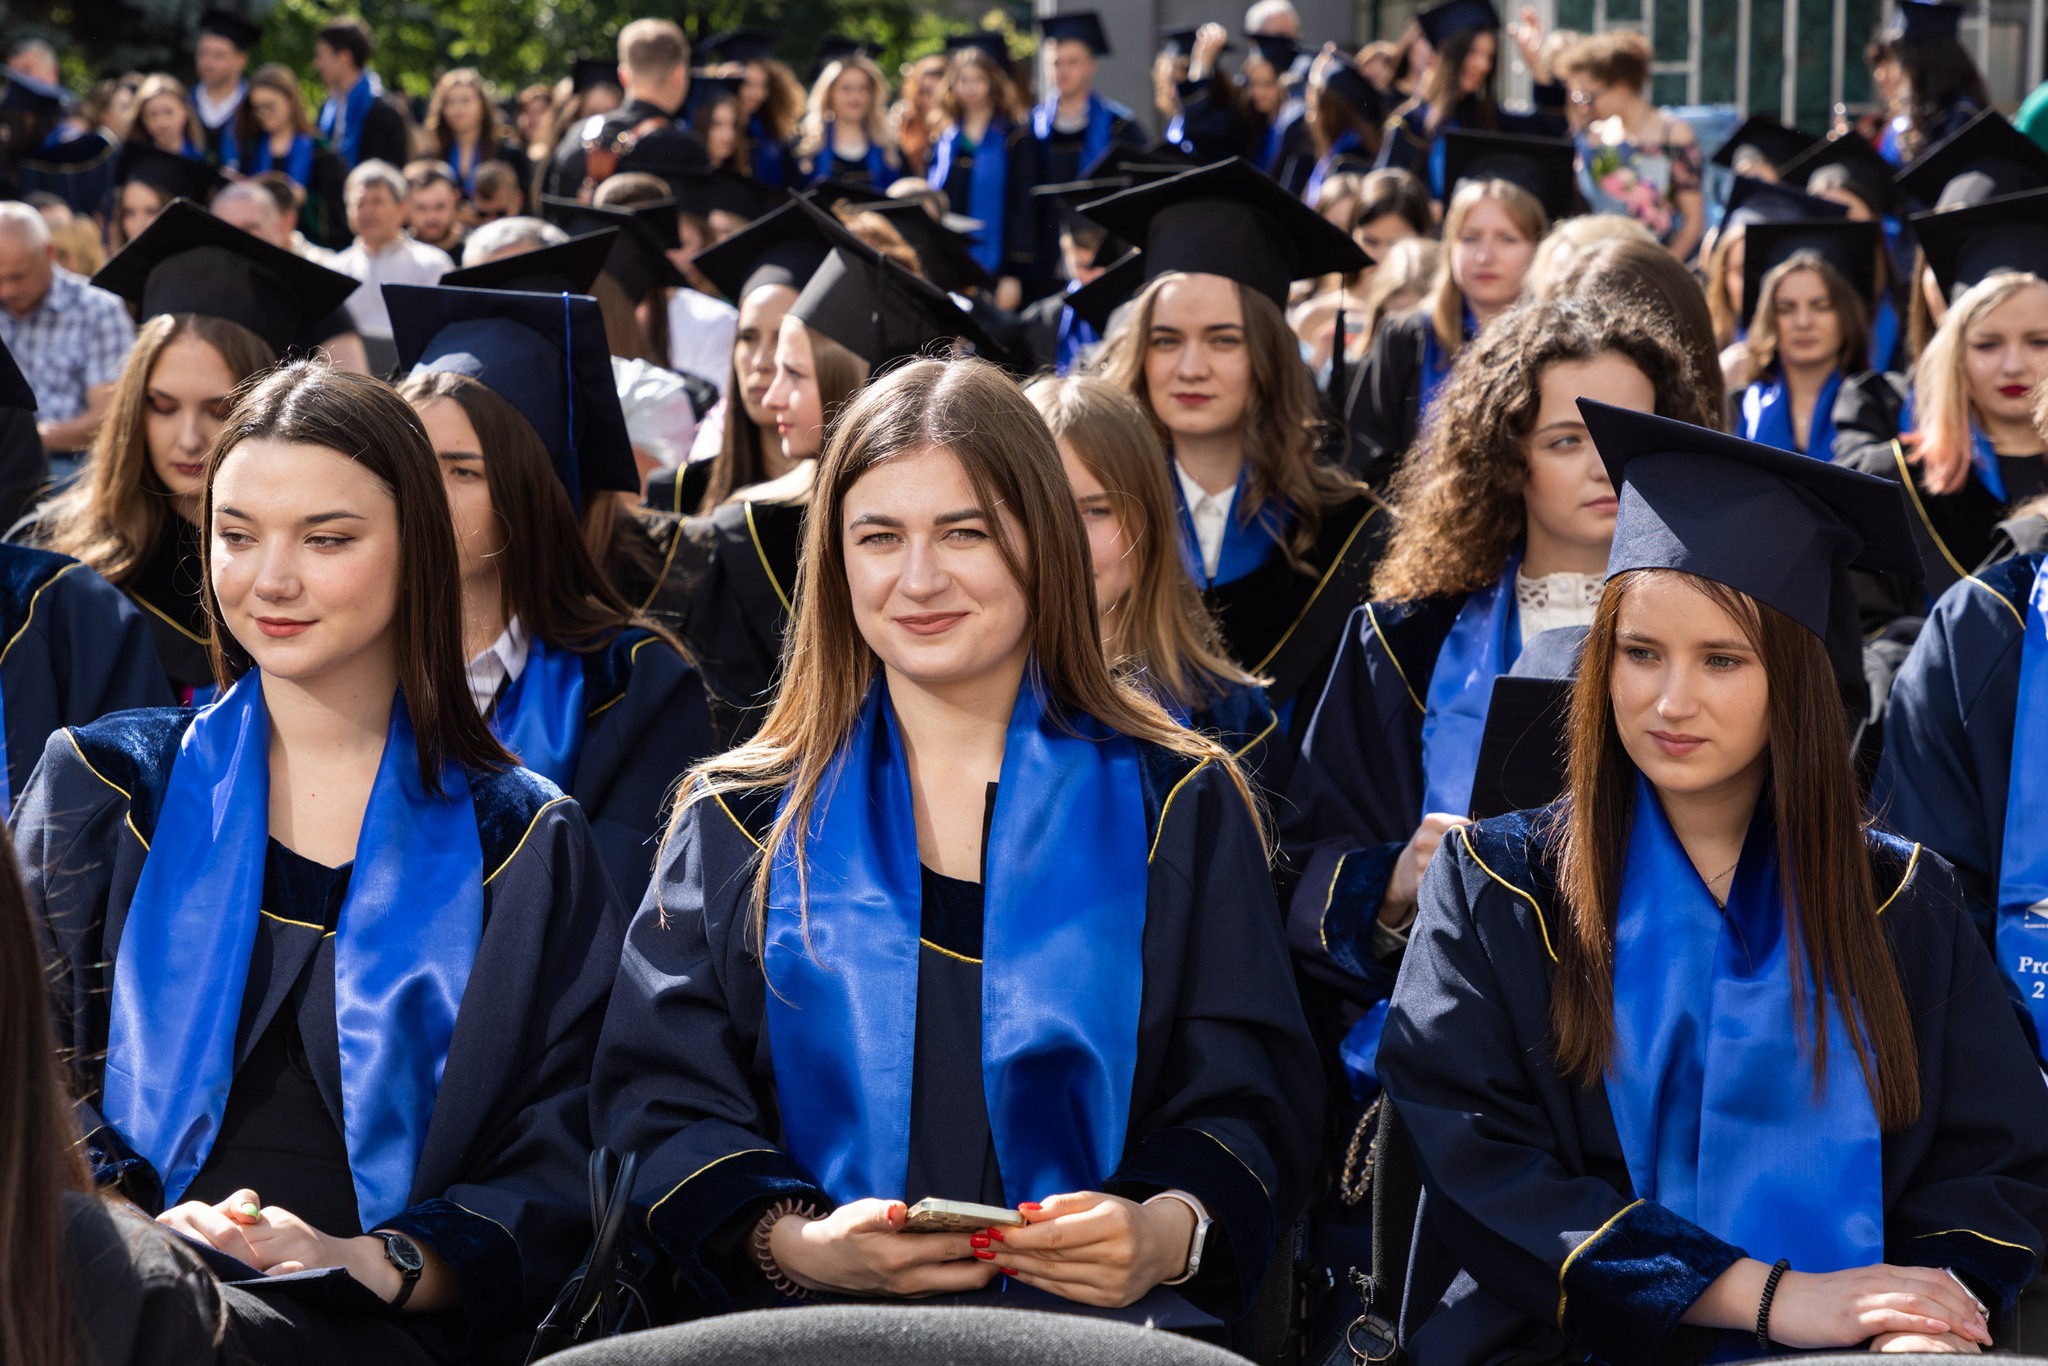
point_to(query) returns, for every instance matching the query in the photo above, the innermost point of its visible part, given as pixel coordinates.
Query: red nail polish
(985, 1256)
(997, 1234)
(1006, 1271)
(1029, 1206)
(978, 1240)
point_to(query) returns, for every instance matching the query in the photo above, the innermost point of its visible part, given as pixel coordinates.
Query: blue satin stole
(1248, 541)
(1712, 1088)
(406, 940)
(1483, 642)
(1884, 323)
(1075, 335)
(539, 717)
(1063, 946)
(1983, 458)
(2022, 932)
(1436, 366)
(1767, 416)
(988, 186)
(1347, 141)
(877, 162)
(298, 166)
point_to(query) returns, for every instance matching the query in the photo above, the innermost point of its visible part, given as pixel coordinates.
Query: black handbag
(605, 1297)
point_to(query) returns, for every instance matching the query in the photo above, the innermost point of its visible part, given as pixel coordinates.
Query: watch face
(401, 1253)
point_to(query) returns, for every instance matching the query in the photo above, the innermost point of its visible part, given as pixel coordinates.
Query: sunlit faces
(272, 111)
(479, 532)
(1198, 368)
(1490, 257)
(462, 109)
(434, 206)
(971, 87)
(853, 95)
(1809, 328)
(753, 347)
(2006, 354)
(793, 395)
(753, 88)
(1569, 502)
(163, 118)
(930, 591)
(1737, 254)
(140, 204)
(304, 558)
(1477, 69)
(1111, 552)
(1689, 692)
(183, 406)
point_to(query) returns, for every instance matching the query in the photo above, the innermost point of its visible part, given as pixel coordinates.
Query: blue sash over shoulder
(540, 716)
(2022, 931)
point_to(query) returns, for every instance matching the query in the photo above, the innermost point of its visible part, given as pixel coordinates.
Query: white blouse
(1554, 600)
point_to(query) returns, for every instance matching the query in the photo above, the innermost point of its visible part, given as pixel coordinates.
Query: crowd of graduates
(814, 648)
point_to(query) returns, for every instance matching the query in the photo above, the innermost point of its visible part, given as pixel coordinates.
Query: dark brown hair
(1831, 907)
(1443, 97)
(309, 403)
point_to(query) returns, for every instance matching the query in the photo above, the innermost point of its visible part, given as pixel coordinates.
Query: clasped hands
(277, 1242)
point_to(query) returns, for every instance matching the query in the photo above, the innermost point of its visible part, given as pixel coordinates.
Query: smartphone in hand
(958, 1216)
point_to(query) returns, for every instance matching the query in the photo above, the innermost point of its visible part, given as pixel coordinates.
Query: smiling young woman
(796, 1052)
(1747, 1073)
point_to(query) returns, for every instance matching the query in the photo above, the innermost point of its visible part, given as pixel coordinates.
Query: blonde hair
(818, 108)
(163, 86)
(1446, 301)
(1161, 632)
(1941, 383)
(1719, 306)
(1567, 243)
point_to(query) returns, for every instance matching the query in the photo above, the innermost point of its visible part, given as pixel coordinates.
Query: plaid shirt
(76, 339)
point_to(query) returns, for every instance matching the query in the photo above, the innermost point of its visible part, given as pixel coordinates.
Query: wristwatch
(1195, 1244)
(404, 1255)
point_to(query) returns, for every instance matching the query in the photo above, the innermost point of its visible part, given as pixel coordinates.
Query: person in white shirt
(382, 254)
(221, 60)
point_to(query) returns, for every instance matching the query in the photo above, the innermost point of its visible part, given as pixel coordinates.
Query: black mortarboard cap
(1869, 173)
(1140, 165)
(1230, 220)
(1278, 50)
(1920, 21)
(1341, 79)
(1964, 246)
(570, 267)
(545, 354)
(27, 95)
(1850, 246)
(707, 90)
(1762, 201)
(639, 255)
(15, 394)
(1180, 40)
(785, 248)
(1081, 26)
(178, 177)
(836, 47)
(1521, 763)
(1444, 21)
(188, 261)
(1984, 159)
(243, 33)
(880, 311)
(1094, 302)
(1545, 167)
(941, 251)
(708, 190)
(986, 40)
(740, 45)
(1774, 524)
(588, 72)
(833, 190)
(1772, 140)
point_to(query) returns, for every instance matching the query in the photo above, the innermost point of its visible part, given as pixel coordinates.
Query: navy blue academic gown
(72, 649)
(499, 1191)
(1226, 1101)
(1243, 721)
(735, 569)
(1531, 1247)
(1949, 729)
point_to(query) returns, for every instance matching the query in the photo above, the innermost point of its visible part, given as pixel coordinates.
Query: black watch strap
(405, 1258)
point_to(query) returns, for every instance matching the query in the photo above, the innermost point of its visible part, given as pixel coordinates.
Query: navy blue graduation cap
(1139, 163)
(940, 250)
(1180, 40)
(1277, 50)
(188, 261)
(1761, 201)
(1229, 219)
(1984, 159)
(587, 73)
(880, 311)
(1095, 302)
(545, 354)
(639, 255)
(1965, 246)
(1446, 20)
(27, 95)
(15, 393)
(570, 267)
(1341, 79)
(175, 176)
(1080, 26)
(1850, 246)
(987, 41)
(243, 33)
(1921, 21)
(1767, 138)
(1545, 167)
(784, 248)
(742, 44)
(706, 190)
(1870, 176)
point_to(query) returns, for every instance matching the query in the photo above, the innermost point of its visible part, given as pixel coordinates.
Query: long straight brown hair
(1832, 937)
(971, 409)
(309, 403)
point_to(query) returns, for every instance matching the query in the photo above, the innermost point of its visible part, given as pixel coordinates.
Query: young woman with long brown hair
(463, 126)
(1457, 91)
(1746, 1072)
(1810, 330)
(945, 679)
(845, 133)
(328, 966)
(984, 160)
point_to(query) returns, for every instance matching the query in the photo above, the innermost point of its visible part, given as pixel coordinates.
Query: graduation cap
(188, 261)
(243, 33)
(984, 40)
(1070, 195)
(940, 250)
(27, 95)
(880, 311)
(1277, 50)
(1762, 201)
(545, 354)
(713, 189)
(837, 47)
(1768, 138)
(1964, 246)
(1080, 26)
(1776, 525)
(1921, 22)
(832, 190)
(1230, 220)
(1446, 20)
(1870, 176)
(639, 255)
(1094, 302)
(175, 176)
(1139, 164)
(1341, 78)
(570, 267)
(784, 248)
(1848, 245)
(1522, 751)
(15, 394)
(1180, 40)
(1984, 159)
(587, 73)
(741, 45)
(1545, 167)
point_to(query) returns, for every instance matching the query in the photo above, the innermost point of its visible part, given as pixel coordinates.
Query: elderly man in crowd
(69, 338)
(382, 254)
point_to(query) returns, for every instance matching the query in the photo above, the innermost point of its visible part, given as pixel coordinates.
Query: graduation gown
(498, 1192)
(1061, 158)
(1013, 230)
(1214, 123)
(167, 584)
(72, 649)
(1408, 145)
(1383, 411)
(737, 572)
(1226, 1095)
(1530, 1246)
